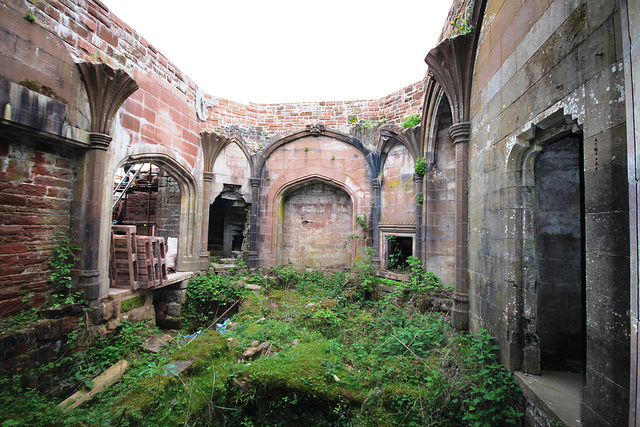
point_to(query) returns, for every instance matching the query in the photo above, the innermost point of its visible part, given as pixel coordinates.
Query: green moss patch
(131, 303)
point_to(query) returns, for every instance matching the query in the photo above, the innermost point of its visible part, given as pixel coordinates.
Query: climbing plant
(420, 167)
(62, 262)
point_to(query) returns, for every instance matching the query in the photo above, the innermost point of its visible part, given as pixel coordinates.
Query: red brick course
(35, 197)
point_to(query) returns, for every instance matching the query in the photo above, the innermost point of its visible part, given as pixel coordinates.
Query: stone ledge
(555, 394)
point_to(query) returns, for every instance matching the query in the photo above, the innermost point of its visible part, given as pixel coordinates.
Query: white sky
(291, 51)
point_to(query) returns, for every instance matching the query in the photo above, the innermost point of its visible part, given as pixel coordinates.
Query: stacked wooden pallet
(137, 261)
(152, 262)
(124, 259)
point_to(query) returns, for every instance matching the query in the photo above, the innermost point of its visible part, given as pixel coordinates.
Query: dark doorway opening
(227, 222)
(560, 256)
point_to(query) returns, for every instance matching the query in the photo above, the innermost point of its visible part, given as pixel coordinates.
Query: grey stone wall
(564, 75)
(168, 206)
(630, 17)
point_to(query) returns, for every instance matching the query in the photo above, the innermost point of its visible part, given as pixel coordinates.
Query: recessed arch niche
(315, 225)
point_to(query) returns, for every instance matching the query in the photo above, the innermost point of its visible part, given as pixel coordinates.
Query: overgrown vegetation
(335, 350)
(411, 121)
(461, 23)
(62, 261)
(363, 125)
(420, 167)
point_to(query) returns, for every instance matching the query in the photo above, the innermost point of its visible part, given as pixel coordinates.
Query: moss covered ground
(334, 352)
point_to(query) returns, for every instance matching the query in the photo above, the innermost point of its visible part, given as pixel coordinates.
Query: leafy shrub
(206, 296)
(420, 167)
(411, 121)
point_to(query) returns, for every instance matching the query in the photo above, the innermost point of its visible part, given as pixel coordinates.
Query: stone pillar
(86, 212)
(252, 261)
(418, 179)
(460, 314)
(207, 178)
(375, 220)
(106, 89)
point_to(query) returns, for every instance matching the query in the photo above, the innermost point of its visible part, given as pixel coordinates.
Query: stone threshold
(171, 279)
(557, 394)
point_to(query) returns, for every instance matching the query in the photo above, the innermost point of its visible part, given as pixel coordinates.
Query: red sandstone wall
(35, 197)
(302, 161)
(162, 111)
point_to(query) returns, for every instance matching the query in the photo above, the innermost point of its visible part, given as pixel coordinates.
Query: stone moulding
(451, 64)
(214, 143)
(107, 89)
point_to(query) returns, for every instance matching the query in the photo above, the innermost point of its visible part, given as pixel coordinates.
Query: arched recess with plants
(230, 201)
(399, 227)
(397, 208)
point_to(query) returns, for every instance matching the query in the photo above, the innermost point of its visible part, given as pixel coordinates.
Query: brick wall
(256, 123)
(35, 196)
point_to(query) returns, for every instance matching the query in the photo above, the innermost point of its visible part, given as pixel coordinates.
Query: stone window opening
(398, 249)
(398, 244)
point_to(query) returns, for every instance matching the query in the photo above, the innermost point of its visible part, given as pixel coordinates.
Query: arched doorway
(227, 223)
(549, 265)
(560, 255)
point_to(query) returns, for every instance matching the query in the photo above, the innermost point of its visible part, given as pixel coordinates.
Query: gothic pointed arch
(435, 102)
(302, 236)
(188, 244)
(372, 157)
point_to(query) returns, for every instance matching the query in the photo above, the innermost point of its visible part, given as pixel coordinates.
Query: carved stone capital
(99, 140)
(256, 182)
(207, 176)
(106, 89)
(460, 132)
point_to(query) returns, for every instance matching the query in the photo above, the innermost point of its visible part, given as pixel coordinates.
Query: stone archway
(227, 223)
(187, 224)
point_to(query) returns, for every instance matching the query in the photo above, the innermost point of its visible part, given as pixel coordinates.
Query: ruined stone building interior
(527, 203)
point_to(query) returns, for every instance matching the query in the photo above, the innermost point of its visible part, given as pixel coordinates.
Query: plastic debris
(223, 327)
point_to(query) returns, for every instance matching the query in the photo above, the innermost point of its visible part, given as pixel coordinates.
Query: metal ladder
(125, 183)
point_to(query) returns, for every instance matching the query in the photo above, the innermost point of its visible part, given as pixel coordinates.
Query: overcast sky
(291, 51)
